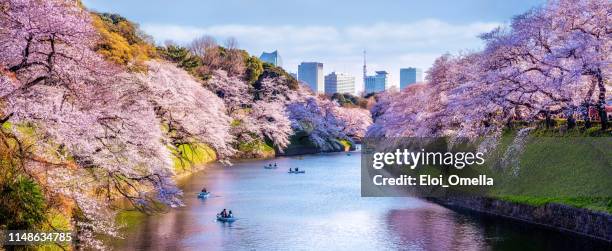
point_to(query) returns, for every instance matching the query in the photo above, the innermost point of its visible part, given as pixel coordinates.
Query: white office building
(338, 82)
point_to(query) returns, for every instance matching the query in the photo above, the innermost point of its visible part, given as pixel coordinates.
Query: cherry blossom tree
(234, 91)
(550, 60)
(272, 122)
(107, 136)
(577, 44)
(97, 135)
(254, 120)
(315, 117)
(48, 42)
(403, 115)
(191, 112)
(275, 90)
(355, 121)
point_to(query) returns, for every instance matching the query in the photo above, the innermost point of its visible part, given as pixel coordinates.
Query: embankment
(563, 218)
(309, 148)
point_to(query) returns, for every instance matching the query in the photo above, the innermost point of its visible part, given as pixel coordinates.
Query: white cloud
(390, 46)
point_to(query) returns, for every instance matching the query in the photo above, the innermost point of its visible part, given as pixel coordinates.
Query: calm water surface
(323, 210)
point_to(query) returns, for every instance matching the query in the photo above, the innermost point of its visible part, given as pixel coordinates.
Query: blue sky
(395, 33)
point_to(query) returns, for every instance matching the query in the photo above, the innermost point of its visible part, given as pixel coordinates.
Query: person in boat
(296, 169)
(204, 190)
(290, 170)
(230, 214)
(275, 164)
(224, 213)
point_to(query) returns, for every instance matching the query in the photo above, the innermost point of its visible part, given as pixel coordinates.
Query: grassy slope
(256, 148)
(347, 144)
(578, 162)
(192, 155)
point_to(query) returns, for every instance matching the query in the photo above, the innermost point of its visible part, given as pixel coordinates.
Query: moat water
(323, 210)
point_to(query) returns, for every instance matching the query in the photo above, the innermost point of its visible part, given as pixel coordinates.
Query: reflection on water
(323, 210)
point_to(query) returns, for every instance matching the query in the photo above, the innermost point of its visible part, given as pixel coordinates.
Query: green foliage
(349, 100)
(301, 139)
(59, 220)
(256, 148)
(122, 42)
(592, 203)
(559, 128)
(235, 123)
(370, 95)
(347, 144)
(22, 205)
(181, 56)
(254, 68)
(562, 131)
(271, 71)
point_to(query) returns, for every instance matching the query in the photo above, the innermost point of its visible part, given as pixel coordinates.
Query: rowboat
(225, 219)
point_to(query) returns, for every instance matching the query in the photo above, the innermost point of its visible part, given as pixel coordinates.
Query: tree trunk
(549, 122)
(601, 101)
(585, 114)
(2, 120)
(571, 122)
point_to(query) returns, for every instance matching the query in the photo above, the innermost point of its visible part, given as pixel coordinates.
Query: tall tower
(365, 70)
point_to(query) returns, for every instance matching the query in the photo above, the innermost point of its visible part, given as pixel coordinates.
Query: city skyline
(378, 82)
(393, 37)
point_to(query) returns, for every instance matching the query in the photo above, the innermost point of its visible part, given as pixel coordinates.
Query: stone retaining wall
(561, 217)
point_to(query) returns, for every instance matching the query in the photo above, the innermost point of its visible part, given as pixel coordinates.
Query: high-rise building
(272, 58)
(337, 82)
(312, 74)
(377, 83)
(410, 76)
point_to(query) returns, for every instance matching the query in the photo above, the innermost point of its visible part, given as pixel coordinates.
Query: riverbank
(549, 151)
(301, 148)
(563, 218)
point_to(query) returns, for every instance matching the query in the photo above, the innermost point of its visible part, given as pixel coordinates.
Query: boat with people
(225, 216)
(225, 219)
(203, 194)
(296, 170)
(270, 166)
